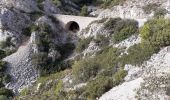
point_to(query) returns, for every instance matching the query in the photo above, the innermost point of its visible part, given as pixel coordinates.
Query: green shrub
(2, 54)
(57, 2)
(40, 1)
(88, 68)
(102, 41)
(118, 77)
(39, 59)
(112, 23)
(97, 87)
(156, 32)
(3, 97)
(2, 65)
(26, 31)
(121, 28)
(6, 43)
(108, 57)
(85, 69)
(6, 78)
(34, 28)
(65, 49)
(6, 92)
(83, 44)
(139, 53)
(84, 11)
(1, 85)
(124, 29)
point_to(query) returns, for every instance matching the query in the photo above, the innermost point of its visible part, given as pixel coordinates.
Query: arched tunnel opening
(72, 26)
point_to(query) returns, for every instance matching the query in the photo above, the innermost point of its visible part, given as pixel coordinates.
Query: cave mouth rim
(72, 26)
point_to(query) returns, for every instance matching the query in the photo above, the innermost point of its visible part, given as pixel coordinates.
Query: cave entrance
(73, 26)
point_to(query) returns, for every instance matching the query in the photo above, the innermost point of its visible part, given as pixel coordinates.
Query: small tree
(84, 11)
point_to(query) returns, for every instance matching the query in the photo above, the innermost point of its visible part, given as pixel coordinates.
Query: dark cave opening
(73, 26)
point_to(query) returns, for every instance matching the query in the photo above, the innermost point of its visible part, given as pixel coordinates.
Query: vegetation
(83, 44)
(102, 71)
(125, 29)
(156, 32)
(139, 53)
(97, 87)
(84, 11)
(6, 43)
(57, 2)
(45, 64)
(101, 41)
(5, 94)
(121, 28)
(2, 54)
(85, 69)
(102, 3)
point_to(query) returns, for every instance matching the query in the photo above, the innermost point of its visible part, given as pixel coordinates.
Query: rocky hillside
(123, 56)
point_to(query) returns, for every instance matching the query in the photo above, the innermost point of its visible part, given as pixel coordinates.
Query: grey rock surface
(20, 68)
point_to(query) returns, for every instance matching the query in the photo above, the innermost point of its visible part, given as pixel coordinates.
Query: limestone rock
(12, 22)
(21, 69)
(24, 5)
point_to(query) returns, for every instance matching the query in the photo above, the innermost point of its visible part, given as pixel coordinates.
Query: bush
(6, 43)
(124, 29)
(88, 68)
(65, 49)
(57, 2)
(139, 53)
(2, 54)
(83, 44)
(97, 87)
(118, 77)
(6, 92)
(39, 59)
(156, 32)
(84, 11)
(85, 69)
(111, 23)
(121, 29)
(108, 57)
(3, 97)
(2, 66)
(26, 31)
(102, 41)
(40, 1)
(6, 78)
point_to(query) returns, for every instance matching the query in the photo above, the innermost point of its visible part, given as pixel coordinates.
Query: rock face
(93, 29)
(51, 8)
(125, 91)
(12, 22)
(132, 9)
(24, 5)
(20, 68)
